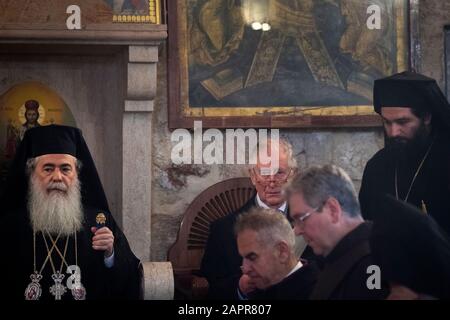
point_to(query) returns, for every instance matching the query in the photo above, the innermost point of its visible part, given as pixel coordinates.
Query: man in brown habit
(325, 209)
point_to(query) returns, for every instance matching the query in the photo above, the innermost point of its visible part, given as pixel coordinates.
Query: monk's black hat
(410, 248)
(52, 139)
(412, 90)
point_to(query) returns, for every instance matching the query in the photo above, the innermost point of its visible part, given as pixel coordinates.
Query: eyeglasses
(300, 220)
(278, 178)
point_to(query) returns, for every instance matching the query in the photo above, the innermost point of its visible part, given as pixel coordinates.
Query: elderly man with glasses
(325, 209)
(221, 261)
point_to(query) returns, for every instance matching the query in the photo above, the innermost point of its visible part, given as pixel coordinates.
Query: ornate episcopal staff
(100, 220)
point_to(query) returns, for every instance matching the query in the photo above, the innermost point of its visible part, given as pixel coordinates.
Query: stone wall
(174, 187)
(109, 90)
(433, 16)
(78, 79)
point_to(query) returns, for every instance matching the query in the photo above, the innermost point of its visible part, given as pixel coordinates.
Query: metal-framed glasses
(278, 178)
(300, 220)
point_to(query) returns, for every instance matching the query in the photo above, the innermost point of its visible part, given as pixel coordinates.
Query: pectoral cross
(424, 208)
(58, 289)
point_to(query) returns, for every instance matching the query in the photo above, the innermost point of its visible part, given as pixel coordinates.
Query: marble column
(137, 148)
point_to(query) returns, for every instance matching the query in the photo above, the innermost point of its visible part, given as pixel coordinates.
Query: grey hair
(32, 162)
(285, 145)
(319, 183)
(271, 226)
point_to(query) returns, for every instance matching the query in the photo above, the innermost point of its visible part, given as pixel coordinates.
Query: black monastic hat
(52, 139)
(411, 249)
(412, 90)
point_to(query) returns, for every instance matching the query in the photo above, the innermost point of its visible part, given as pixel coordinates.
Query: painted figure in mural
(24, 106)
(31, 117)
(139, 7)
(12, 140)
(315, 53)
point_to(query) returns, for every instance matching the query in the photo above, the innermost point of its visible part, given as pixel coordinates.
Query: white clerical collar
(261, 204)
(297, 266)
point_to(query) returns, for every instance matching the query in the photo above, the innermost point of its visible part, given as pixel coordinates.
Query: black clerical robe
(432, 184)
(221, 261)
(121, 281)
(296, 286)
(343, 274)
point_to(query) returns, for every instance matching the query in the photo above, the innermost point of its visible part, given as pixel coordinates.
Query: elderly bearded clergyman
(59, 240)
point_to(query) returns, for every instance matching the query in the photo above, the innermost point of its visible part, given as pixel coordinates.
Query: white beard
(55, 212)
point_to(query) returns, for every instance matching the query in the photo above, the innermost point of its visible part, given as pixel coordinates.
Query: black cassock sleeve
(123, 279)
(365, 193)
(218, 266)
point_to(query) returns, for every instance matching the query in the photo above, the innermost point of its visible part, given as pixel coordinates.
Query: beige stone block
(158, 281)
(141, 81)
(143, 54)
(138, 106)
